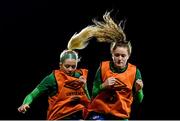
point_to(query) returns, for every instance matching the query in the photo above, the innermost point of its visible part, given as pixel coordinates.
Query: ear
(112, 56)
(60, 64)
(128, 57)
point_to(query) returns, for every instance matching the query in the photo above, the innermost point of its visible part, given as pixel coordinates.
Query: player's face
(69, 66)
(120, 56)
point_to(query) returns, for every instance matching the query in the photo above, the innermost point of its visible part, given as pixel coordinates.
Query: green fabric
(86, 91)
(98, 81)
(29, 98)
(138, 74)
(77, 75)
(48, 85)
(115, 69)
(139, 96)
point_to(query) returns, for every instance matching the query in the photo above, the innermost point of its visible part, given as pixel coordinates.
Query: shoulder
(104, 62)
(51, 75)
(132, 65)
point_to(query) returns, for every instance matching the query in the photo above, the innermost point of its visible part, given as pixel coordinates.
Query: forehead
(70, 61)
(121, 50)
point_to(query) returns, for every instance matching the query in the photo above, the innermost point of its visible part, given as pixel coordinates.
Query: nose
(120, 57)
(70, 69)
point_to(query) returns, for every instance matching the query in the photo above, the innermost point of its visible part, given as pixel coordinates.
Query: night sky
(34, 33)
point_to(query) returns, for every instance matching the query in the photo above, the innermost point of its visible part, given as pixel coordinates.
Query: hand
(23, 108)
(109, 82)
(82, 79)
(138, 85)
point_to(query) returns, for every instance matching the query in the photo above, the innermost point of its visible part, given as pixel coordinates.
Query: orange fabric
(68, 89)
(117, 100)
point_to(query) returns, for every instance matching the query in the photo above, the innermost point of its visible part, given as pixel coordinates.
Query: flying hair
(104, 31)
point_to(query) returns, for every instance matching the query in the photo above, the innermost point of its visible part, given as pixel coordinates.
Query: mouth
(69, 72)
(119, 62)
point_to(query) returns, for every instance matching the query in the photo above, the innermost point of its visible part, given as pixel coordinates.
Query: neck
(117, 69)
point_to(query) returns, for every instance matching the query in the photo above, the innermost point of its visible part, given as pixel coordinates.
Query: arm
(97, 87)
(28, 100)
(138, 98)
(86, 91)
(138, 88)
(47, 83)
(30, 97)
(84, 82)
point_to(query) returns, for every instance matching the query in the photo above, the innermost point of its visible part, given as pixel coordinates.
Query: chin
(119, 66)
(68, 73)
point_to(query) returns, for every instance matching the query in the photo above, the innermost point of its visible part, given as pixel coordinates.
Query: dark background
(33, 33)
